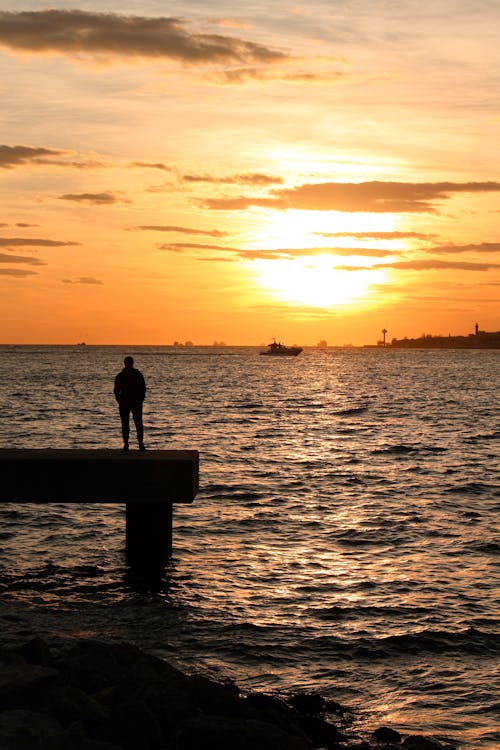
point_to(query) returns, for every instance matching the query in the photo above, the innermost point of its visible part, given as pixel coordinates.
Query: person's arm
(143, 387)
(117, 388)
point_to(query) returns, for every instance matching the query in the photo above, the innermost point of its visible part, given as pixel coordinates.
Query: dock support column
(148, 533)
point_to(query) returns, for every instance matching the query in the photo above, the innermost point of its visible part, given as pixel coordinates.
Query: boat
(276, 349)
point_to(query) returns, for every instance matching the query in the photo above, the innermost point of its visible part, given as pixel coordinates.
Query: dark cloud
(71, 32)
(278, 253)
(238, 75)
(179, 247)
(150, 165)
(483, 247)
(179, 230)
(25, 259)
(23, 225)
(105, 198)
(433, 264)
(240, 204)
(237, 179)
(370, 197)
(82, 280)
(13, 156)
(17, 272)
(379, 235)
(33, 242)
(437, 265)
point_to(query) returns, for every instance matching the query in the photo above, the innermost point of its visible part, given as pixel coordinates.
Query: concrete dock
(147, 482)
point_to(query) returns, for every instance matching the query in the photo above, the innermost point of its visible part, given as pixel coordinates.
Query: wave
(470, 642)
(352, 411)
(402, 448)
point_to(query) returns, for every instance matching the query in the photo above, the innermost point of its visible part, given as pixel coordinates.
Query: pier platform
(147, 482)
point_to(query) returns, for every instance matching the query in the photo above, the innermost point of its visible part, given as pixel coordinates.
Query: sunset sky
(209, 171)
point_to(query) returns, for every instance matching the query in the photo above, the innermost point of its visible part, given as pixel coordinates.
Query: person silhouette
(130, 391)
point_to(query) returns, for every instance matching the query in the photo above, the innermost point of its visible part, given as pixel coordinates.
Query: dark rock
(168, 701)
(229, 733)
(418, 742)
(213, 698)
(69, 704)
(93, 666)
(273, 710)
(24, 685)
(10, 658)
(321, 732)
(386, 735)
(134, 727)
(97, 745)
(27, 730)
(37, 652)
(335, 708)
(308, 703)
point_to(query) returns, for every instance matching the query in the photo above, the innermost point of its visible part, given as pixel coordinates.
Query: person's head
(128, 361)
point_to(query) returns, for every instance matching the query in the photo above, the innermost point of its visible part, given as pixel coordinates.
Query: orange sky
(240, 172)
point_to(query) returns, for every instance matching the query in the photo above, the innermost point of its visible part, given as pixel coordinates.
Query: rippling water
(345, 538)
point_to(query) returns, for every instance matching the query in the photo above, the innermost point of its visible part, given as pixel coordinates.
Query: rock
(386, 735)
(93, 666)
(419, 742)
(334, 707)
(213, 698)
(229, 733)
(308, 703)
(24, 685)
(27, 730)
(321, 732)
(97, 745)
(37, 652)
(273, 710)
(134, 727)
(69, 704)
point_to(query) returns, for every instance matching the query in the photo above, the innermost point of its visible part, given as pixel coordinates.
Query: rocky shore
(90, 695)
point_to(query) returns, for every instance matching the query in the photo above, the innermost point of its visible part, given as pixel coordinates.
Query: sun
(315, 281)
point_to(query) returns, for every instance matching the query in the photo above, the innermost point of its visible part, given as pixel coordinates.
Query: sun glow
(316, 282)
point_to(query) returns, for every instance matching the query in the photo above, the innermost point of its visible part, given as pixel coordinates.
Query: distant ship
(276, 349)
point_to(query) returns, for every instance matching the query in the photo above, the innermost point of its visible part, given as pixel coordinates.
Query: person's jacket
(130, 386)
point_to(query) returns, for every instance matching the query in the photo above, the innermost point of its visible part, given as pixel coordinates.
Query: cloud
(82, 280)
(180, 230)
(91, 164)
(33, 242)
(105, 198)
(238, 75)
(237, 179)
(25, 259)
(483, 247)
(179, 247)
(370, 197)
(435, 265)
(379, 235)
(150, 165)
(277, 253)
(71, 32)
(13, 156)
(425, 265)
(17, 272)
(23, 225)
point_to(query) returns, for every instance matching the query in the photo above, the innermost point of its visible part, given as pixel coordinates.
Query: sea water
(345, 539)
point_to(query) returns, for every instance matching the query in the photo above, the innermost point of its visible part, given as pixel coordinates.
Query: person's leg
(137, 415)
(125, 416)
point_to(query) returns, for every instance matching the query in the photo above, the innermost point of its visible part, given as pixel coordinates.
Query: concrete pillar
(148, 533)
